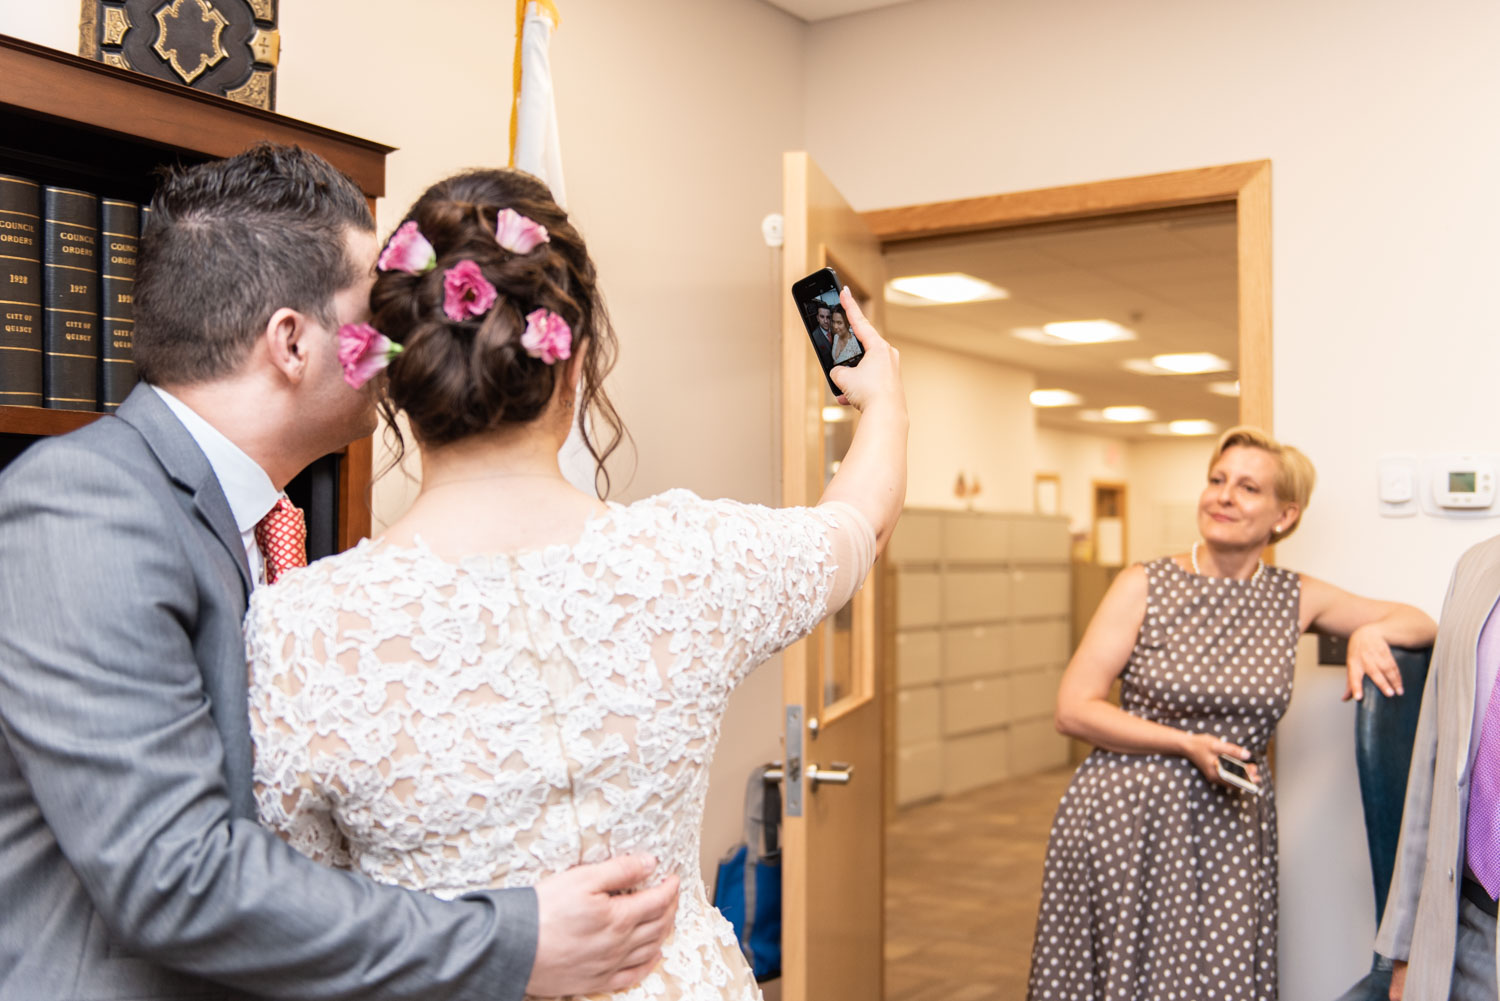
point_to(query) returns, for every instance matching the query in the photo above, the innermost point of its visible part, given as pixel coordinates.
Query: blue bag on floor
(747, 889)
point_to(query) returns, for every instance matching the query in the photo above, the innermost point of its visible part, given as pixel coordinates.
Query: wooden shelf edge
(42, 422)
(42, 80)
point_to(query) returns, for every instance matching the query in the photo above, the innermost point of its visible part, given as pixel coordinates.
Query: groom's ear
(286, 341)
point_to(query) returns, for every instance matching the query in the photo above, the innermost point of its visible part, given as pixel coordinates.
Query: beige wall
(673, 126)
(970, 416)
(1374, 115)
(1162, 482)
(1079, 460)
(1165, 480)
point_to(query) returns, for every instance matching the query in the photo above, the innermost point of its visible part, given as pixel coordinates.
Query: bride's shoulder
(321, 581)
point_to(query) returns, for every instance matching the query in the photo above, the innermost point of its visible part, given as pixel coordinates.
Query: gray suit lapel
(1471, 610)
(188, 467)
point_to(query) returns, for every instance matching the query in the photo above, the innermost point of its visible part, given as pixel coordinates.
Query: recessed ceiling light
(1088, 331)
(1054, 398)
(1129, 415)
(836, 415)
(1192, 427)
(1194, 363)
(950, 287)
(1191, 363)
(1225, 388)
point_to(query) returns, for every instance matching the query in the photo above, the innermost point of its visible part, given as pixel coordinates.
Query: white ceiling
(1171, 279)
(822, 10)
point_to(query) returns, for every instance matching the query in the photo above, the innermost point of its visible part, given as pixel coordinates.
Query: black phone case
(804, 292)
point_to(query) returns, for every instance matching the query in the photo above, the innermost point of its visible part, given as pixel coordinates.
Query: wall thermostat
(1463, 482)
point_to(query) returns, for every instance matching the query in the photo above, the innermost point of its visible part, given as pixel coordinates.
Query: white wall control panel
(1459, 484)
(1397, 489)
(1464, 482)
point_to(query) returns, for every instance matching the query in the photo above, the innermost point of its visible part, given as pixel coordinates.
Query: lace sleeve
(288, 798)
(780, 571)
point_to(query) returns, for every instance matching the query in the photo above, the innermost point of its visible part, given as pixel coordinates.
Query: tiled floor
(963, 879)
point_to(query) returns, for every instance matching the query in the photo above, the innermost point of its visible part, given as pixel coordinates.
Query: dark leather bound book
(20, 292)
(119, 237)
(227, 47)
(70, 299)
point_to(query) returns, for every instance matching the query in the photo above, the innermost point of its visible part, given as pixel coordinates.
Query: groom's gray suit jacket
(131, 865)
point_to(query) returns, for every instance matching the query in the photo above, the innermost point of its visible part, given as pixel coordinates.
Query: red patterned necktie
(282, 538)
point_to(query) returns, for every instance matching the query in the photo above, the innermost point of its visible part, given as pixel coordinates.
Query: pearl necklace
(1259, 565)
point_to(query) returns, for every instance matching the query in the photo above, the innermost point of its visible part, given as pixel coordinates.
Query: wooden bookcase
(70, 121)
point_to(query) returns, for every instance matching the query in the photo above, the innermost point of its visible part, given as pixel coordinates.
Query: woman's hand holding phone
(1203, 750)
(876, 380)
(872, 474)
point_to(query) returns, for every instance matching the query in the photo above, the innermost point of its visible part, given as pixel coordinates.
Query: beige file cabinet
(979, 630)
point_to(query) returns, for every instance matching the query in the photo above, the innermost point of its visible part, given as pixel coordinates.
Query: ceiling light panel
(942, 289)
(1054, 398)
(1088, 331)
(1192, 427)
(1129, 414)
(1190, 363)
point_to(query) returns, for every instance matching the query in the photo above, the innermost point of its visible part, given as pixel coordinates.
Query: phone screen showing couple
(828, 326)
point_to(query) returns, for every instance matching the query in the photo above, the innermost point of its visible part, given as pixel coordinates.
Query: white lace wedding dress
(454, 727)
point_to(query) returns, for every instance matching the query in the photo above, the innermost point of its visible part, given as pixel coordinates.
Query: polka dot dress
(1160, 885)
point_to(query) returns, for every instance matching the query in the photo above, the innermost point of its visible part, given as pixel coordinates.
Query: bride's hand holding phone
(876, 380)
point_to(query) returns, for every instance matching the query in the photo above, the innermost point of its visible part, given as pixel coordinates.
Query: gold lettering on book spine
(264, 10)
(169, 14)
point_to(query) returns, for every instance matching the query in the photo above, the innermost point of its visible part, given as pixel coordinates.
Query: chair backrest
(1384, 730)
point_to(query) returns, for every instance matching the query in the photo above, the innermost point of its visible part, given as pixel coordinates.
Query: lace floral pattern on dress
(454, 727)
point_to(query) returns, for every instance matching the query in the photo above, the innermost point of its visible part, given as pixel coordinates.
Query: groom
(131, 865)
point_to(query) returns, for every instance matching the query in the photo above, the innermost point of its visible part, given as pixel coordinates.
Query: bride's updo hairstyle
(457, 378)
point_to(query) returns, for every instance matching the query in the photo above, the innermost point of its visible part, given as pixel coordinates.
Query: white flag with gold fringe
(534, 145)
(534, 148)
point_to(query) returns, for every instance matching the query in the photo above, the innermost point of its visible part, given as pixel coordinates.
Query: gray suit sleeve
(103, 705)
(1393, 939)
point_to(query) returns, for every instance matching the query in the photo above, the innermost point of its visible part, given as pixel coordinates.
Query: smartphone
(1233, 771)
(833, 340)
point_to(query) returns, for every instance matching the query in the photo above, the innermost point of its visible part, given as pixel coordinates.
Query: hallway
(963, 880)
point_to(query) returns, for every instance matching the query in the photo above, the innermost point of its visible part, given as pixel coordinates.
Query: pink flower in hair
(363, 351)
(466, 292)
(407, 250)
(547, 336)
(518, 234)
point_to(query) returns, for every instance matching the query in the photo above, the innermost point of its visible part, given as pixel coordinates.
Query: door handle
(838, 774)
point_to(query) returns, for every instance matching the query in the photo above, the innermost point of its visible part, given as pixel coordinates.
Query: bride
(516, 677)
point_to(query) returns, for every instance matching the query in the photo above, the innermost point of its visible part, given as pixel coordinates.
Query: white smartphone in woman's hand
(1233, 771)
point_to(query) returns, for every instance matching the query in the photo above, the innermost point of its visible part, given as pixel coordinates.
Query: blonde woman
(1160, 877)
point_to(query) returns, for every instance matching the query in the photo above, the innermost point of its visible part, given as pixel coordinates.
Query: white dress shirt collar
(250, 492)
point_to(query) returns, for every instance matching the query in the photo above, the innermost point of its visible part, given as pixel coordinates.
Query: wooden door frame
(1245, 187)
(1124, 489)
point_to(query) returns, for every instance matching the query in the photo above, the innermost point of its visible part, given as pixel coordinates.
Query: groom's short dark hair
(228, 243)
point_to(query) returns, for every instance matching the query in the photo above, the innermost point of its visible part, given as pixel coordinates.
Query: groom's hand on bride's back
(592, 936)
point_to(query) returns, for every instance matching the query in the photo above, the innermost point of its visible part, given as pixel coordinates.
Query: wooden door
(832, 865)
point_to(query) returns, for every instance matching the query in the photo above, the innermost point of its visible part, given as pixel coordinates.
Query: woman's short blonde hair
(1295, 474)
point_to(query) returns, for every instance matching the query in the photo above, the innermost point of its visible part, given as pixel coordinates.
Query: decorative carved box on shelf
(224, 47)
